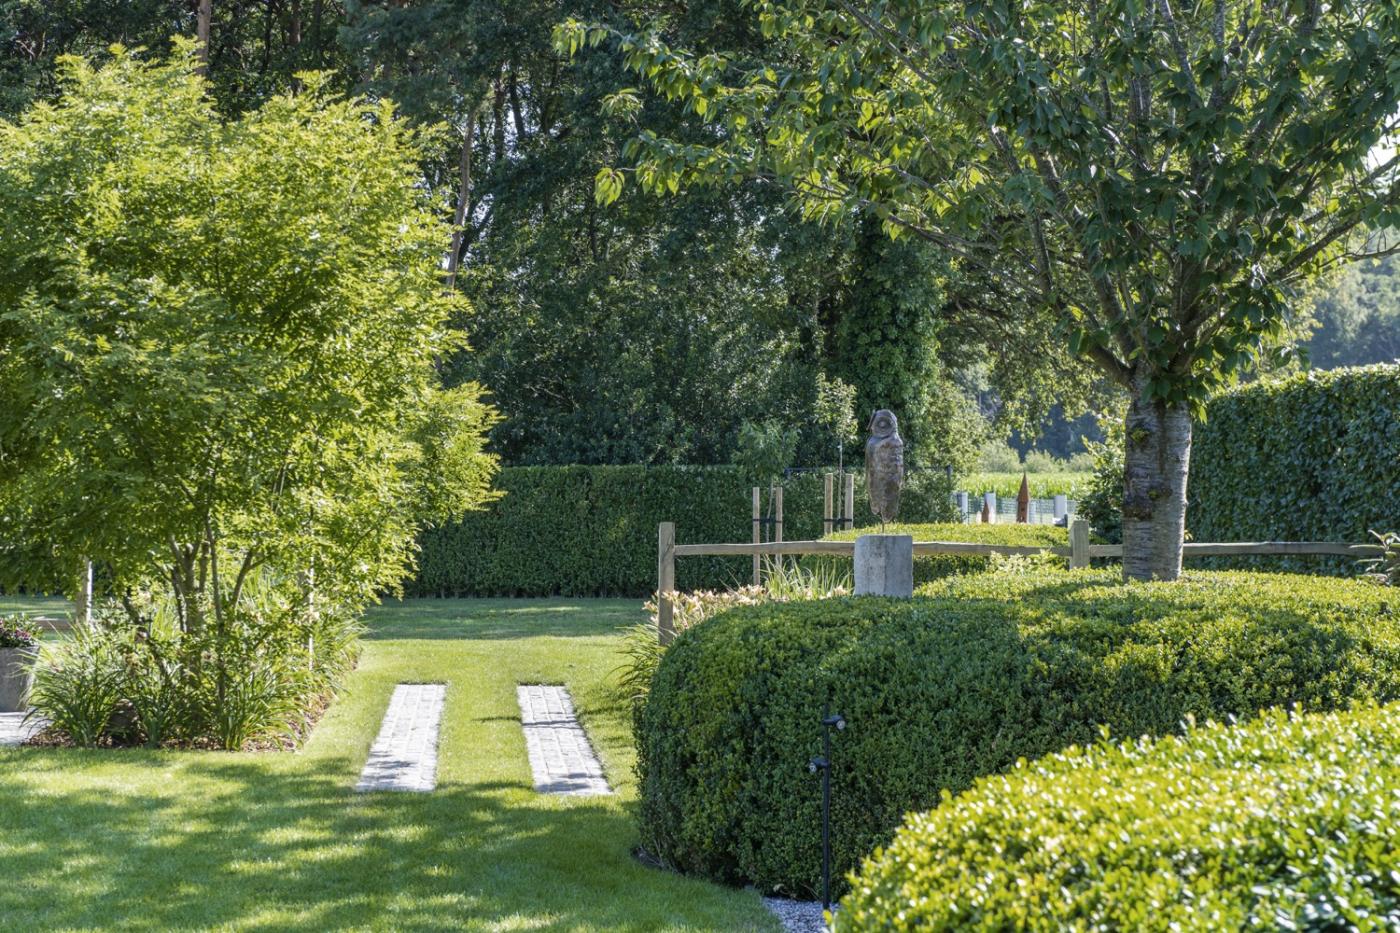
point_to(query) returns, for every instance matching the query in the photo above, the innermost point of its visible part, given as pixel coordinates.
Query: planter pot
(16, 676)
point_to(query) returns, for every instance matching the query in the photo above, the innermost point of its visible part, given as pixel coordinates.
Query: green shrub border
(959, 683)
(591, 530)
(1314, 457)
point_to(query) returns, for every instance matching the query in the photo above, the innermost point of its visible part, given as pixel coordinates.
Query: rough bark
(201, 30)
(1156, 455)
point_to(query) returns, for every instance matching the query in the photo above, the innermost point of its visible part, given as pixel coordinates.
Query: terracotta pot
(16, 676)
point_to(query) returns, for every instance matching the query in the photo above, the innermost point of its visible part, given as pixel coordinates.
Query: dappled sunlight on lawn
(158, 840)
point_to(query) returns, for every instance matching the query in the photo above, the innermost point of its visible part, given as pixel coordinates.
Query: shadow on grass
(304, 851)
(500, 619)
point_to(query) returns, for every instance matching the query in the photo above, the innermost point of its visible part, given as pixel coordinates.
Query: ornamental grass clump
(1289, 822)
(974, 673)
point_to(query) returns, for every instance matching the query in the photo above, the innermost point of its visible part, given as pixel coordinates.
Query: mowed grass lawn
(136, 839)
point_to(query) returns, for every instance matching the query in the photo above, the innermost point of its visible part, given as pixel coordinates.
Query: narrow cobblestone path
(562, 760)
(404, 756)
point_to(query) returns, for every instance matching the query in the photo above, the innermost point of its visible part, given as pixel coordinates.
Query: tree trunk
(464, 203)
(1156, 455)
(201, 32)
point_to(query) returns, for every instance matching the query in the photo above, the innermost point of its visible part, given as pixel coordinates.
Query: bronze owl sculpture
(884, 466)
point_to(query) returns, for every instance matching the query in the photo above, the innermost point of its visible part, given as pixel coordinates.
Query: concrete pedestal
(885, 565)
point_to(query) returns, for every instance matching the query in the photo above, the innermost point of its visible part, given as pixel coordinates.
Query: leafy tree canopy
(218, 339)
(1160, 179)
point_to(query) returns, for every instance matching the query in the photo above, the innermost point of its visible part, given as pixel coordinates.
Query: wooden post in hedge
(665, 582)
(848, 513)
(827, 514)
(757, 530)
(1078, 544)
(778, 513)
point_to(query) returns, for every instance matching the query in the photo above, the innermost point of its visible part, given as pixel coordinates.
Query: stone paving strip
(560, 756)
(14, 730)
(404, 756)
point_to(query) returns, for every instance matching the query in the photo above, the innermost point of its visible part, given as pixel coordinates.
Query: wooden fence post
(757, 530)
(665, 582)
(849, 506)
(1078, 544)
(778, 513)
(827, 513)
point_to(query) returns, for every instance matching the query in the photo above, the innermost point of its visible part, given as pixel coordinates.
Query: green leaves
(1284, 823)
(1152, 177)
(947, 691)
(1313, 457)
(223, 335)
(607, 186)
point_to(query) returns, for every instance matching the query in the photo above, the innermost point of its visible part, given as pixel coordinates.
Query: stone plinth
(885, 565)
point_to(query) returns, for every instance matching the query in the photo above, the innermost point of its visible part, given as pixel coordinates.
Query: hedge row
(959, 683)
(591, 530)
(935, 567)
(1315, 457)
(1285, 823)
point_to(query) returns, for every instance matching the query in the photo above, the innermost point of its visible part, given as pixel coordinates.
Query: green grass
(1043, 485)
(144, 840)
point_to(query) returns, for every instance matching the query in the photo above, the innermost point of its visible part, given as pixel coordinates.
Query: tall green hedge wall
(1315, 457)
(591, 530)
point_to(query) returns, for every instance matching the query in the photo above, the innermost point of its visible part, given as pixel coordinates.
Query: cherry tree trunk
(1156, 455)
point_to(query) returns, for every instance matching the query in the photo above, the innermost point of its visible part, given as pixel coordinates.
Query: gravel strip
(797, 916)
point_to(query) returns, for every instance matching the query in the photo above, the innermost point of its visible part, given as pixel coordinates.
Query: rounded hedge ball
(959, 683)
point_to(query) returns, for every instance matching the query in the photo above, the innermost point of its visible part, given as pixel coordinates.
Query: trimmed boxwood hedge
(933, 567)
(1315, 457)
(591, 530)
(959, 683)
(1284, 823)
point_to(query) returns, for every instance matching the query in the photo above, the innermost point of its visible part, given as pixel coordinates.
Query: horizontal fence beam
(848, 549)
(929, 548)
(1254, 549)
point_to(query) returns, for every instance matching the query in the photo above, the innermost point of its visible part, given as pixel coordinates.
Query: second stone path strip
(562, 760)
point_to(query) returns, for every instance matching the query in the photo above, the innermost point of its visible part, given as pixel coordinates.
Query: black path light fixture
(823, 764)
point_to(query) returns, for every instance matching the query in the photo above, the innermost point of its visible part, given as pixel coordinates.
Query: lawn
(171, 840)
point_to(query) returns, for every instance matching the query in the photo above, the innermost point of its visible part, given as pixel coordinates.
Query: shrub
(591, 530)
(1102, 503)
(1315, 457)
(933, 567)
(1385, 567)
(783, 581)
(1285, 823)
(959, 683)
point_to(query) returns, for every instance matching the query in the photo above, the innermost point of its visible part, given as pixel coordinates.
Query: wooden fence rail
(1079, 553)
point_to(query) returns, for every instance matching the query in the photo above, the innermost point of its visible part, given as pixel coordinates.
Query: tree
(1160, 179)
(1358, 316)
(219, 344)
